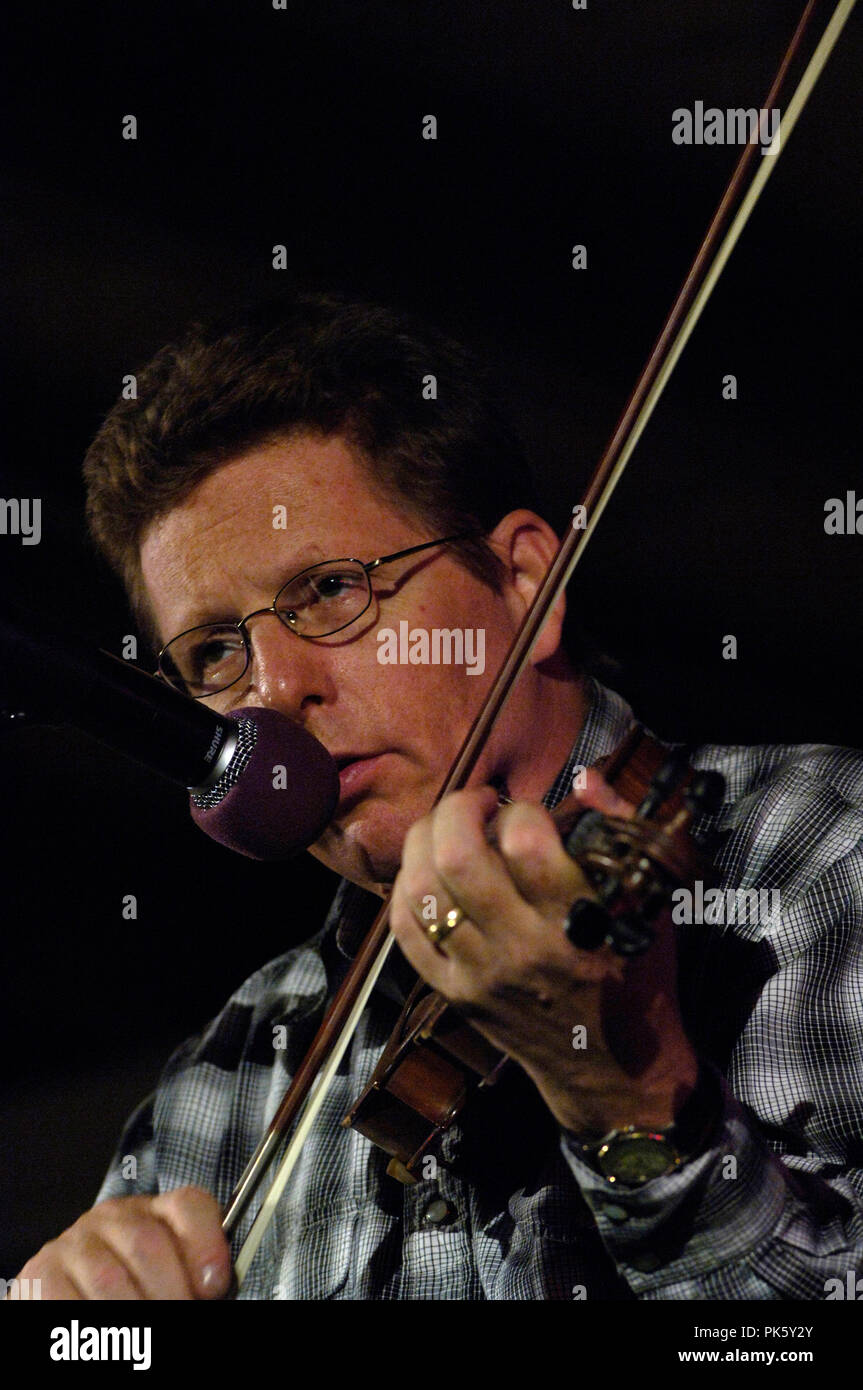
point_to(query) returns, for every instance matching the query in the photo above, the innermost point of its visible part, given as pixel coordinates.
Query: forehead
(279, 505)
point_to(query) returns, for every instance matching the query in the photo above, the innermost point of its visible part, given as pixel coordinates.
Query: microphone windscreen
(277, 794)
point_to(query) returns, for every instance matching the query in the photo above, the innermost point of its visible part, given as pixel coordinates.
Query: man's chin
(365, 847)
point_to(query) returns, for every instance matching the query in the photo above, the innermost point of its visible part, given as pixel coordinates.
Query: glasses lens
(204, 660)
(324, 598)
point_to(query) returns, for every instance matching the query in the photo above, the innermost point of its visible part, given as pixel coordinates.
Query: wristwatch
(637, 1154)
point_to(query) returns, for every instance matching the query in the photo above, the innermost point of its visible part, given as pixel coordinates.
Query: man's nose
(287, 673)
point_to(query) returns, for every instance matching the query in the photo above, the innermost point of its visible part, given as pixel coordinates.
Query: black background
(303, 127)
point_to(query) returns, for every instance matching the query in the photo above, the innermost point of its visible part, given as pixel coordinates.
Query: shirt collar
(606, 724)
(608, 721)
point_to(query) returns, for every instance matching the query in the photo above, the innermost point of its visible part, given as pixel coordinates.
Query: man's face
(219, 556)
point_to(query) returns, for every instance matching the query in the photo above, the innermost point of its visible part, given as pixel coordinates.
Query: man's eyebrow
(274, 578)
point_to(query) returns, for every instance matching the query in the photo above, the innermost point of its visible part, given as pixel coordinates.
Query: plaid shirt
(772, 1209)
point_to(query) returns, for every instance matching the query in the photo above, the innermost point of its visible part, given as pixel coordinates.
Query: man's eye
(211, 654)
(319, 589)
(329, 586)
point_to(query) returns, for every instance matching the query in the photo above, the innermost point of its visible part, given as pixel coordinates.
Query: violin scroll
(634, 865)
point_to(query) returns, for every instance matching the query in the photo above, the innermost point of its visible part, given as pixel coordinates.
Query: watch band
(636, 1154)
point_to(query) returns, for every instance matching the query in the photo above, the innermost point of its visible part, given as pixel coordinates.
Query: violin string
(317, 1094)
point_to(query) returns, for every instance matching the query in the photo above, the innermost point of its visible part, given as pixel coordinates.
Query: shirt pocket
(304, 1260)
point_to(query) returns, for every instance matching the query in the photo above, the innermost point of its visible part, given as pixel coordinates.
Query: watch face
(632, 1159)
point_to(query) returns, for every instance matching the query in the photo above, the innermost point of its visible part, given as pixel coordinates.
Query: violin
(435, 1061)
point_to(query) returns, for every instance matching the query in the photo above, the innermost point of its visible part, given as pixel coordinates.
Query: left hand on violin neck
(600, 1035)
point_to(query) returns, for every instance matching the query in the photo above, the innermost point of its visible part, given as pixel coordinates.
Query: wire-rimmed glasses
(323, 599)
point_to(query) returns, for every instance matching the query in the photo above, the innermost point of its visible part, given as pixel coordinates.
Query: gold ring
(438, 932)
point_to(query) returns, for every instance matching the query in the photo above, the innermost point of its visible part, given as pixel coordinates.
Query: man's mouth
(356, 770)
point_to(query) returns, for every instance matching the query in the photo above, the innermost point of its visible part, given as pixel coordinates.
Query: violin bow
(309, 1087)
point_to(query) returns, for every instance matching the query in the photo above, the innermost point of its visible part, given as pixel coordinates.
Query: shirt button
(616, 1214)
(437, 1212)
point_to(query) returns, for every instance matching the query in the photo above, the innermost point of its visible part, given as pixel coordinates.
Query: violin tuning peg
(704, 794)
(630, 936)
(664, 782)
(587, 924)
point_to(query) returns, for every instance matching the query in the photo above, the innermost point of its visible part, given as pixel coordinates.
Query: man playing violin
(745, 1113)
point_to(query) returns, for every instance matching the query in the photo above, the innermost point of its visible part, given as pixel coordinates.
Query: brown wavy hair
(322, 363)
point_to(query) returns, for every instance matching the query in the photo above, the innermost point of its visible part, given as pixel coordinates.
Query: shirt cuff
(716, 1208)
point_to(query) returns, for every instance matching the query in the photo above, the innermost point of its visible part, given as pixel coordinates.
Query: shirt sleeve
(132, 1171)
(774, 1208)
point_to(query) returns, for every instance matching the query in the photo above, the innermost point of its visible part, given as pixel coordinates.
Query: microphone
(259, 783)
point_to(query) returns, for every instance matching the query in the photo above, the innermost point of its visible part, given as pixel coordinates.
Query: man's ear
(526, 545)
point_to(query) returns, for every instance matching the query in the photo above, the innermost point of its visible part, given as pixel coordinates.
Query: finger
(410, 926)
(544, 874)
(147, 1257)
(195, 1219)
(46, 1278)
(597, 795)
(420, 898)
(419, 894)
(416, 889)
(472, 870)
(98, 1268)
